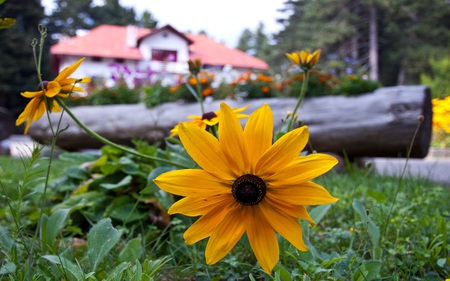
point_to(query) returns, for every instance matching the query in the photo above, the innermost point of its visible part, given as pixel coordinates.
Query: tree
(113, 13)
(147, 20)
(17, 69)
(68, 17)
(245, 42)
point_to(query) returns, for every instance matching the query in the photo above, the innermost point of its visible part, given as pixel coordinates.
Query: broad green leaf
(53, 225)
(7, 268)
(380, 197)
(69, 267)
(374, 233)
(101, 239)
(133, 251)
(358, 206)
(367, 271)
(318, 212)
(6, 240)
(123, 183)
(78, 173)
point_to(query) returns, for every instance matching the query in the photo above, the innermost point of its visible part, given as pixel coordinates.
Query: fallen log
(378, 124)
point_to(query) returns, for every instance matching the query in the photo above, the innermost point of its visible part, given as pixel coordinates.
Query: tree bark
(373, 43)
(379, 124)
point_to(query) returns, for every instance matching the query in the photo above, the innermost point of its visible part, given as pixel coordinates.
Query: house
(146, 55)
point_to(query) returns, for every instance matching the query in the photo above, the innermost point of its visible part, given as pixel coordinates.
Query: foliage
(409, 33)
(254, 86)
(353, 239)
(121, 94)
(17, 68)
(352, 85)
(438, 81)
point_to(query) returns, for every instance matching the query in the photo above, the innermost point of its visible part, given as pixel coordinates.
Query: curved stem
(300, 99)
(108, 142)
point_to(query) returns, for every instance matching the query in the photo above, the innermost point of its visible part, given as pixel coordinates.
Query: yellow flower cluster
(441, 115)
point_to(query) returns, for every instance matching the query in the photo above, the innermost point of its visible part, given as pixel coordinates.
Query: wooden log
(379, 124)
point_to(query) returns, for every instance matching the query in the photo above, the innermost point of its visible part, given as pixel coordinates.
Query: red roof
(110, 41)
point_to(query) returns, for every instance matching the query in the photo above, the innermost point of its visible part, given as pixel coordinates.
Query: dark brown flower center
(44, 83)
(249, 190)
(208, 115)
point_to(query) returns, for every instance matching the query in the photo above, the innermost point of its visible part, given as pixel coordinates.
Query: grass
(354, 239)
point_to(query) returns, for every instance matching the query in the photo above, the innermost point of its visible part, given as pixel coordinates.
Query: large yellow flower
(247, 185)
(209, 119)
(305, 59)
(62, 86)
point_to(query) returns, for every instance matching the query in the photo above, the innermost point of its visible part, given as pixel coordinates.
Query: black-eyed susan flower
(248, 185)
(44, 99)
(304, 59)
(210, 118)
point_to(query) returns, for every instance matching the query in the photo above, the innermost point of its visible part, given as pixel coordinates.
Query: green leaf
(358, 206)
(78, 173)
(101, 239)
(133, 251)
(6, 240)
(317, 213)
(380, 197)
(8, 268)
(69, 267)
(53, 225)
(374, 233)
(123, 183)
(283, 274)
(367, 271)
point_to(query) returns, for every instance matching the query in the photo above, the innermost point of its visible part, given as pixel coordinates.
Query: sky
(223, 20)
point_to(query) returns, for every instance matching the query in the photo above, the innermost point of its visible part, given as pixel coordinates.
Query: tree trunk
(373, 43)
(380, 124)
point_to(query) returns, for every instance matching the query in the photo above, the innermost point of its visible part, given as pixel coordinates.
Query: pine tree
(17, 68)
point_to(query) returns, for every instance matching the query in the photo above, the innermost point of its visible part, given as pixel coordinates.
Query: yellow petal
(192, 182)
(31, 95)
(232, 141)
(226, 234)
(282, 152)
(258, 133)
(205, 150)
(55, 106)
(200, 205)
(294, 57)
(303, 57)
(29, 109)
(52, 89)
(263, 240)
(205, 225)
(286, 225)
(305, 168)
(314, 58)
(297, 211)
(307, 193)
(40, 110)
(66, 72)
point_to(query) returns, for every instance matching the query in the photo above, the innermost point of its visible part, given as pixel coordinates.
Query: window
(164, 55)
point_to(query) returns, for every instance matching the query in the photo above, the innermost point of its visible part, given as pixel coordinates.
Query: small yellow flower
(304, 59)
(61, 87)
(209, 119)
(248, 185)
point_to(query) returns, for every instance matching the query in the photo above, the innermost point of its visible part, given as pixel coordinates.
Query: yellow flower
(247, 185)
(209, 119)
(62, 86)
(304, 59)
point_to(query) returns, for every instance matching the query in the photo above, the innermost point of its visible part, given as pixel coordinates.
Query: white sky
(222, 20)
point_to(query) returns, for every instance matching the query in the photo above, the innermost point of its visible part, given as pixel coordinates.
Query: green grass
(354, 239)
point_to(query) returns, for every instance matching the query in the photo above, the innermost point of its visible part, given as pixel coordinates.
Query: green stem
(300, 99)
(108, 142)
(199, 93)
(400, 182)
